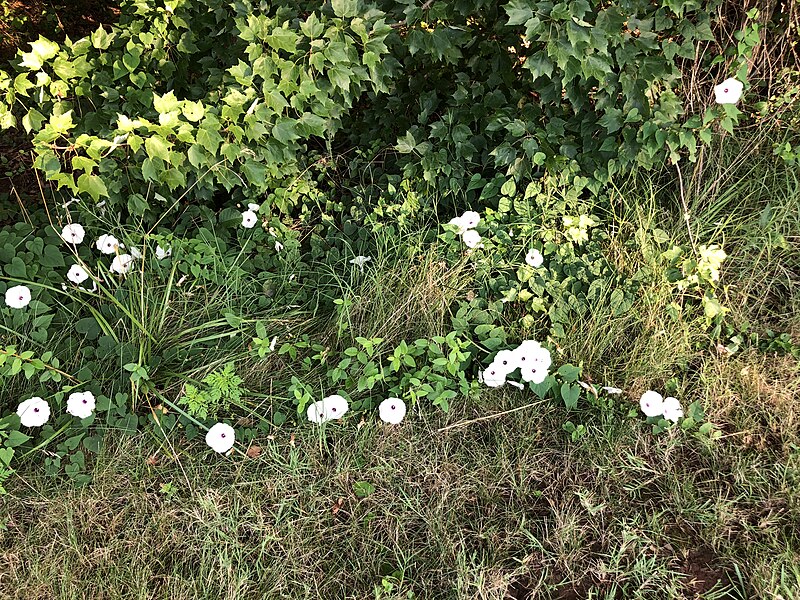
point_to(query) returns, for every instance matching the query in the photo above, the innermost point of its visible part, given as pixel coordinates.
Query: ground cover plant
(448, 300)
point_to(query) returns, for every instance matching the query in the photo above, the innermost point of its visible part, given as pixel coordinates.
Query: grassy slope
(500, 508)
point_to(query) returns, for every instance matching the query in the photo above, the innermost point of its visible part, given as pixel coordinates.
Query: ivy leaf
(345, 8)
(101, 39)
(285, 130)
(41, 50)
(283, 39)
(157, 147)
(255, 172)
(92, 185)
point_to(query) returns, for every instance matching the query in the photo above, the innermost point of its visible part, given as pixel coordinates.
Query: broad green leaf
(157, 147)
(101, 39)
(345, 8)
(92, 185)
(285, 130)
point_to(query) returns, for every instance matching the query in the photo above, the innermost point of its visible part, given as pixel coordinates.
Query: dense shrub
(254, 99)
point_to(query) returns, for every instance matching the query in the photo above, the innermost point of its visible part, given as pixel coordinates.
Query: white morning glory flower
(329, 408)
(135, 253)
(161, 254)
(360, 261)
(470, 219)
(652, 404)
(121, 263)
(472, 239)
(33, 412)
(506, 361)
(534, 258)
(278, 246)
(729, 91)
(73, 233)
(249, 219)
(493, 376)
(672, 409)
(253, 207)
(107, 244)
(77, 274)
(531, 352)
(534, 372)
(611, 390)
(80, 404)
(392, 410)
(18, 296)
(459, 223)
(221, 437)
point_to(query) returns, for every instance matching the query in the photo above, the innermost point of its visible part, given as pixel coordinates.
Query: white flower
(107, 244)
(505, 361)
(18, 296)
(530, 352)
(161, 254)
(34, 412)
(249, 219)
(516, 384)
(493, 376)
(329, 408)
(80, 404)
(278, 246)
(472, 239)
(253, 207)
(392, 410)
(221, 437)
(359, 261)
(136, 253)
(534, 372)
(121, 263)
(672, 409)
(459, 223)
(73, 233)
(470, 219)
(77, 274)
(534, 258)
(652, 404)
(611, 390)
(729, 91)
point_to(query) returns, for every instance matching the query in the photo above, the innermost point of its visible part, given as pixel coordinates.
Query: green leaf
(284, 130)
(132, 59)
(283, 39)
(518, 12)
(166, 103)
(101, 39)
(41, 50)
(51, 257)
(33, 120)
(6, 454)
(346, 8)
(92, 185)
(157, 147)
(570, 395)
(362, 489)
(61, 123)
(255, 172)
(569, 373)
(15, 438)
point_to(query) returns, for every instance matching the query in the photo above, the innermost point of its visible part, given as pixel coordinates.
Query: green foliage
(194, 98)
(223, 388)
